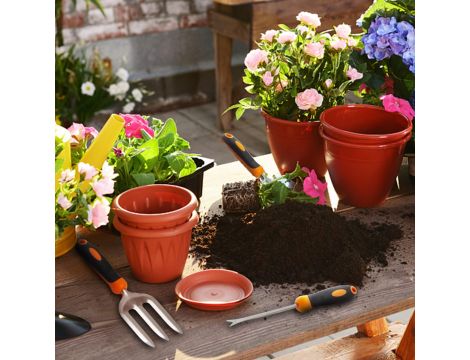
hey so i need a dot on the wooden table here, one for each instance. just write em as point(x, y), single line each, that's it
point(245, 20)
point(206, 335)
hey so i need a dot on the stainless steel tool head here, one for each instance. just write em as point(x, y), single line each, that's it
point(135, 301)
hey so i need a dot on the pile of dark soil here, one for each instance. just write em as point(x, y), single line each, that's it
point(292, 243)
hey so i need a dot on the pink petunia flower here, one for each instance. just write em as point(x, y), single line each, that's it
point(309, 99)
point(315, 49)
point(353, 74)
point(87, 169)
point(98, 212)
point(394, 104)
point(254, 58)
point(63, 201)
point(103, 187)
point(133, 124)
point(269, 35)
point(268, 78)
point(309, 19)
point(313, 187)
point(90, 131)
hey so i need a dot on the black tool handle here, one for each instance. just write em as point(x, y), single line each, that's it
point(330, 296)
point(243, 155)
point(98, 263)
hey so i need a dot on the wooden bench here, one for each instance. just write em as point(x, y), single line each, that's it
point(245, 20)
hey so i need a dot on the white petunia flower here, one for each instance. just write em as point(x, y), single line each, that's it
point(122, 74)
point(137, 95)
point(88, 88)
point(128, 107)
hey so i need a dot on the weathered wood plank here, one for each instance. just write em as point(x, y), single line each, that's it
point(229, 26)
point(354, 347)
point(406, 348)
point(266, 15)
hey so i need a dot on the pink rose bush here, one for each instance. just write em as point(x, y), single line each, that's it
point(297, 73)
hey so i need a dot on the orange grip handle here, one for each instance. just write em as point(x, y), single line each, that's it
point(243, 155)
point(102, 267)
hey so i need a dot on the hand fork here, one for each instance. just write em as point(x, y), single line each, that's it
point(129, 300)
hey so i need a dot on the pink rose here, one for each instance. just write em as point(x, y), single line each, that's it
point(63, 201)
point(308, 19)
point(394, 104)
point(269, 35)
point(328, 83)
point(343, 30)
point(87, 169)
point(133, 125)
point(268, 78)
point(352, 42)
point(315, 49)
point(286, 36)
point(314, 187)
point(309, 99)
point(103, 187)
point(282, 85)
point(98, 213)
point(338, 44)
point(353, 74)
point(302, 29)
point(254, 58)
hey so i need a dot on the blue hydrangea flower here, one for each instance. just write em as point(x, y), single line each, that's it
point(386, 37)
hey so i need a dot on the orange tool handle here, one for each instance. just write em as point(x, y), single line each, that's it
point(330, 296)
point(102, 267)
point(243, 155)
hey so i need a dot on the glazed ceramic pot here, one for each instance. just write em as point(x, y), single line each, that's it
point(157, 256)
point(363, 175)
point(156, 206)
point(66, 241)
point(364, 124)
point(291, 142)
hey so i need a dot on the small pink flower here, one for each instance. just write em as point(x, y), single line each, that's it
point(254, 58)
point(352, 42)
point(269, 35)
point(362, 87)
point(314, 187)
point(98, 213)
point(286, 37)
point(118, 152)
point(268, 78)
point(77, 131)
point(308, 19)
point(353, 74)
point(63, 201)
point(282, 85)
point(394, 104)
point(67, 175)
point(133, 125)
point(102, 187)
point(343, 31)
point(309, 99)
point(328, 83)
point(87, 169)
point(107, 171)
point(91, 131)
point(338, 44)
point(315, 49)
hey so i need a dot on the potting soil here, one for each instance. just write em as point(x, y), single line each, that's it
point(292, 243)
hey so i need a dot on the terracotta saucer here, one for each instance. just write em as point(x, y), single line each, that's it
point(214, 290)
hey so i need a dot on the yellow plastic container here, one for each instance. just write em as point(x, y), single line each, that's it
point(66, 241)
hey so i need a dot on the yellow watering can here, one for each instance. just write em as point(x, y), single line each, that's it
point(95, 155)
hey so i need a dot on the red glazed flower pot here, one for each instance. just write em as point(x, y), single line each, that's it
point(291, 142)
point(156, 206)
point(364, 124)
point(363, 175)
point(157, 256)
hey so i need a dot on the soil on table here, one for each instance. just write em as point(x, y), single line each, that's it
point(292, 243)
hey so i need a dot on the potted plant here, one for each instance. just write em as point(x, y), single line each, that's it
point(150, 151)
point(294, 75)
point(386, 57)
point(80, 195)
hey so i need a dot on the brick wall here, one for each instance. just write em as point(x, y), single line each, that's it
point(126, 18)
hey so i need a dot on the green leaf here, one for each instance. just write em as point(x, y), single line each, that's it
point(58, 164)
point(145, 134)
point(168, 128)
point(284, 27)
point(149, 155)
point(181, 163)
point(239, 113)
point(165, 142)
point(279, 192)
point(235, 106)
point(144, 179)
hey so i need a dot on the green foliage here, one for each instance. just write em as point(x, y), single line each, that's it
point(160, 159)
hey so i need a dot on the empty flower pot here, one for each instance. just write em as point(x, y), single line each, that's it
point(364, 124)
point(156, 206)
point(291, 142)
point(157, 256)
point(363, 175)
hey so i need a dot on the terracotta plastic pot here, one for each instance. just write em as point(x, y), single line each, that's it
point(157, 256)
point(156, 206)
point(363, 175)
point(291, 142)
point(364, 124)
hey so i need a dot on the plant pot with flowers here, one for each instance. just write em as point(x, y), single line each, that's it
point(386, 57)
point(294, 75)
